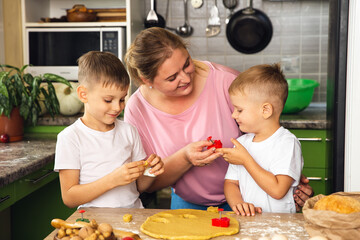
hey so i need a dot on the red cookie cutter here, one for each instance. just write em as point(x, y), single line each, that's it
point(215, 143)
point(220, 222)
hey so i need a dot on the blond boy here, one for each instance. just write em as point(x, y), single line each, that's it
point(266, 162)
point(100, 158)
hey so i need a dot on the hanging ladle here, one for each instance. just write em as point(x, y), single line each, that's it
point(185, 30)
point(230, 4)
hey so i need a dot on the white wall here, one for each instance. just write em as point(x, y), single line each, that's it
point(352, 120)
point(2, 45)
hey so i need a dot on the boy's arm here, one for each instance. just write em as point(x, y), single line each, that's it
point(275, 185)
point(75, 194)
point(232, 192)
point(235, 200)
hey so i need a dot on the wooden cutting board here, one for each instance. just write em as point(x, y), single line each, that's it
point(266, 224)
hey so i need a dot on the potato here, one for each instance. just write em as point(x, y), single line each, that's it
point(61, 233)
point(85, 232)
point(105, 229)
point(76, 238)
point(68, 231)
point(92, 237)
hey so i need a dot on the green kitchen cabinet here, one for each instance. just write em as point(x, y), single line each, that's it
point(37, 210)
point(34, 181)
point(315, 147)
point(319, 180)
point(7, 196)
point(28, 205)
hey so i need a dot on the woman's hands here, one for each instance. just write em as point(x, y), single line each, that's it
point(303, 192)
point(197, 157)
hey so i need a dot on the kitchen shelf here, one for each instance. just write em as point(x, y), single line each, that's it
point(75, 24)
point(34, 10)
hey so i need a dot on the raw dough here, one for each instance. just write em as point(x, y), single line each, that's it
point(127, 217)
point(340, 204)
point(186, 224)
point(279, 237)
point(318, 238)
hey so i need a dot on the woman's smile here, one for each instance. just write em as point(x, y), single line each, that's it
point(184, 86)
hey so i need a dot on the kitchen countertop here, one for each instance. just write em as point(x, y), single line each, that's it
point(18, 159)
point(266, 224)
point(313, 117)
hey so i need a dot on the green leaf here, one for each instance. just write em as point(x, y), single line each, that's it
point(24, 111)
point(23, 68)
point(34, 116)
point(56, 78)
point(35, 91)
point(28, 78)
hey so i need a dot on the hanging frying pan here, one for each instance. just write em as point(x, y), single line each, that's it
point(249, 30)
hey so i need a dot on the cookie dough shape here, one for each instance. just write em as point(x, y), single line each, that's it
point(186, 224)
point(340, 204)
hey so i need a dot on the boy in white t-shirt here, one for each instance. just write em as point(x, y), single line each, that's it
point(266, 162)
point(100, 159)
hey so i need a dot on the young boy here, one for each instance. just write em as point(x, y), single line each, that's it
point(266, 162)
point(100, 159)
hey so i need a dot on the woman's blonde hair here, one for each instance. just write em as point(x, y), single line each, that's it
point(149, 51)
point(266, 80)
point(102, 67)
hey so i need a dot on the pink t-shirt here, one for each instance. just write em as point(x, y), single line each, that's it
point(210, 115)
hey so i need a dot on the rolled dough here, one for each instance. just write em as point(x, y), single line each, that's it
point(187, 224)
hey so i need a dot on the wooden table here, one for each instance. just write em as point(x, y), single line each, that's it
point(266, 224)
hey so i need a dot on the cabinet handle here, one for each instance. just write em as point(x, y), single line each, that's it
point(316, 178)
point(34, 181)
point(3, 199)
point(310, 139)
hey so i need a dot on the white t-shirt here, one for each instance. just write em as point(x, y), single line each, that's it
point(280, 154)
point(96, 154)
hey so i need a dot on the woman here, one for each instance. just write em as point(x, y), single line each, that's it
point(180, 102)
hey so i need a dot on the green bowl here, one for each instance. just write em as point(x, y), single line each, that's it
point(300, 95)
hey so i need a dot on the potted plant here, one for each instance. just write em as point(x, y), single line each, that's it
point(20, 95)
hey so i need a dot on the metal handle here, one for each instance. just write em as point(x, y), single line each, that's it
point(186, 12)
point(34, 181)
point(310, 139)
point(3, 199)
point(316, 178)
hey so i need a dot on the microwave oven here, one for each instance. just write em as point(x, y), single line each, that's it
point(56, 50)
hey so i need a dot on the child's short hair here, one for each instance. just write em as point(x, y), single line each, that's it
point(265, 80)
point(102, 67)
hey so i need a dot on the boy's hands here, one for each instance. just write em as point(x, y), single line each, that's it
point(156, 164)
point(246, 209)
point(236, 155)
point(128, 173)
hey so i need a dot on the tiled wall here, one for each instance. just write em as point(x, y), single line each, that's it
point(300, 38)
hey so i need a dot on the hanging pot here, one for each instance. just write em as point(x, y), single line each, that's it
point(249, 30)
